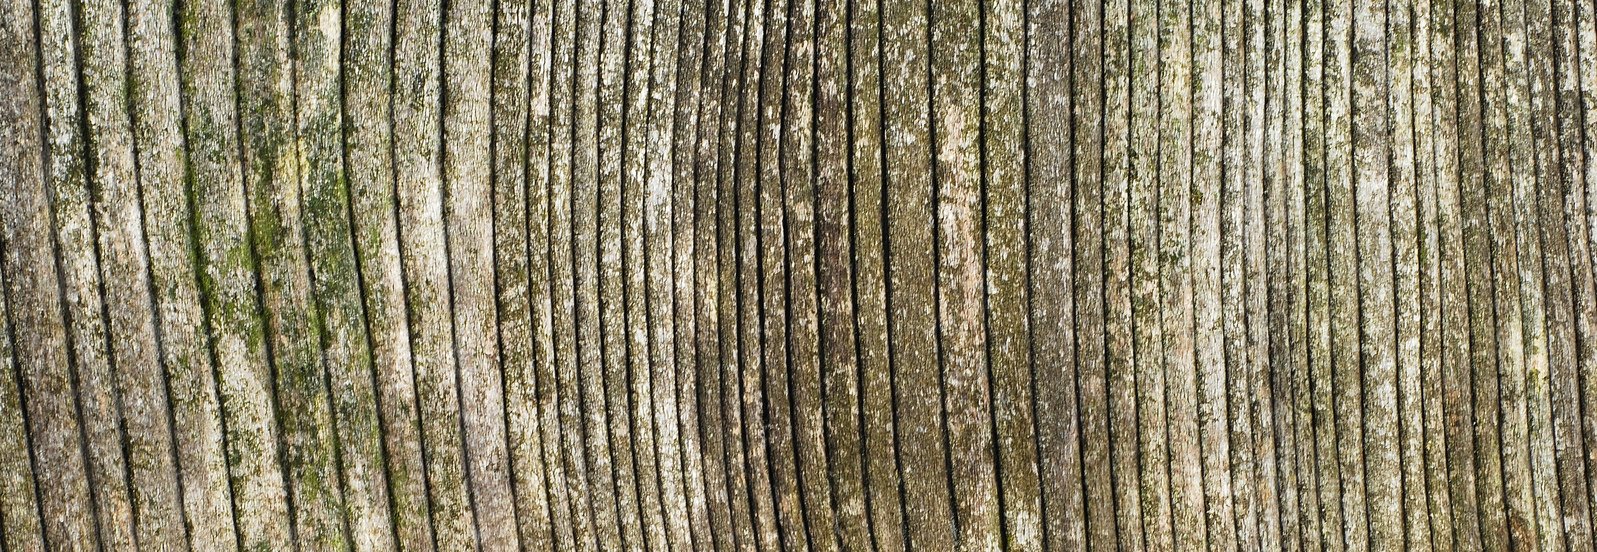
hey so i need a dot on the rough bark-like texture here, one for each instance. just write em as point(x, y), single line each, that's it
point(1301, 275)
point(124, 265)
point(419, 189)
point(228, 283)
point(36, 341)
point(267, 87)
point(195, 417)
point(369, 164)
point(468, 208)
point(77, 267)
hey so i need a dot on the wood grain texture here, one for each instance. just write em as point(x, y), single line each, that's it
point(1133, 275)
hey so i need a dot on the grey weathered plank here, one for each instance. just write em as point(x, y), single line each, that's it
point(124, 264)
point(1427, 168)
point(265, 81)
point(684, 208)
point(335, 276)
point(1049, 159)
point(585, 519)
point(1250, 274)
point(367, 84)
point(1455, 348)
point(24, 170)
point(67, 177)
point(1143, 229)
point(519, 38)
point(1119, 330)
point(641, 355)
point(468, 208)
point(419, 191)
point(228, 283)
point(660, 228)
point(1577, 321)
point(1088, 240)
point(619, 219)
point(161, 161)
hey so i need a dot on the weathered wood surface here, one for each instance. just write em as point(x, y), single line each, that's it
point(729, 275)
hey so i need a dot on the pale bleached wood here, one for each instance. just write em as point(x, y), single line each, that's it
point(798, 192)
point(770, 231)
point(584, 244)
point(685, 123)
point(419, 189)
point(750, 338)
point(1516, 272)
point(265, 82)
point(369, 161)
point(1501, 118)
point(72, 227)
point(1586, 40)
point(776, 136)
point(962, 334)
point(1294, 158)
point(562, 496)
point(1296, 275)
point(1282, 244)
point(1531, 52)
point(1316, 389)
point(1341, 197)
point(1238, 175)
point(468, 208)
point(742, 497)
point(19, 506)
point(1427, 166)
point(157, 516)
point(782, 133)
point(1299, 150)
point(1405, 213)
point(1216, 505)
point(660, 219)
point(1266, 488)
point(1050, 164)
point(1175, 261)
